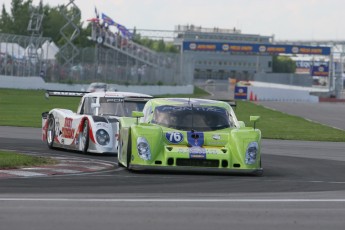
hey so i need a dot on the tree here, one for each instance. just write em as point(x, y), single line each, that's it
point(161, 47)
point(283, 64)
point(156, 45)
point(52, 22)
point(5, 21)
point(21, 12)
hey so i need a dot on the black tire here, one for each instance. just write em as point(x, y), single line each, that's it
point(50, 133)
point(129, 149)
point(119, 164)
point(259, 173)
point(84, 137)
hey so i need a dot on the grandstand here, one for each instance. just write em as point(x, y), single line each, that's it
point(221, 65)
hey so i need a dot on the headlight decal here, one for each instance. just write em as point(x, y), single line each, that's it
point(251, 153)
point(143, 148)
point(102, 137)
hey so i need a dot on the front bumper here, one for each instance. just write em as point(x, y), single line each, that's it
point(256, 172)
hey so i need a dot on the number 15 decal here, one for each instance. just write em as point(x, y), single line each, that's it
point(174, 137)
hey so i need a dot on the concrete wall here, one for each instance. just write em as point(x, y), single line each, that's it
point(38, 83)
point(285, 78)
point(262, 91)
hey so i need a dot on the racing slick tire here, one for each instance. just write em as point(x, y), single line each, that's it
point(84, 137)
point(119, 164)
point(119, 150)
point(50, 132)
point(129, 150)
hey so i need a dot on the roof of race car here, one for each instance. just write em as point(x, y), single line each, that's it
point(116, 94)
point(189, 101)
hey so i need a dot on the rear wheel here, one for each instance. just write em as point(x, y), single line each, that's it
point(50, 132)
point(84, 138)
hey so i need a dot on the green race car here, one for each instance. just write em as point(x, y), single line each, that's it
point(189, 134)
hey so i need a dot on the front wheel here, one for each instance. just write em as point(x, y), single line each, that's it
point(119, 153)
point(129, 149)
point(50, 132)
point(84, 138)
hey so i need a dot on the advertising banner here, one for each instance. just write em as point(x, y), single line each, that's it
point(255, 48)
point(321, 71)
point(241, 92)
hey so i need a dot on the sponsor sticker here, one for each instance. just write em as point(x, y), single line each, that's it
point(216, 137)
point(197, 153)
point(174, 137)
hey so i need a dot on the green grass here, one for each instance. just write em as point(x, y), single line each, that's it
point(277, 125)
point(12, 160)
point(24, 108)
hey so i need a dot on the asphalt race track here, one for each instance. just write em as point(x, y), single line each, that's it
point(303, 187)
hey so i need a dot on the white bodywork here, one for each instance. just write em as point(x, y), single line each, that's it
point(94, 127)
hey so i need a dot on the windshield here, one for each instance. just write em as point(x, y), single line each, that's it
point(119, 107)
point(192, 118)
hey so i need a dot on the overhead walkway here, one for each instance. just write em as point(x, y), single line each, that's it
point(128, 47)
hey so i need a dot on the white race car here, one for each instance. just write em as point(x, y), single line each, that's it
point(94, 127)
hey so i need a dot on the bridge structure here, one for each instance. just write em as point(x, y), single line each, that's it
point(161, 65)
point(336, 72)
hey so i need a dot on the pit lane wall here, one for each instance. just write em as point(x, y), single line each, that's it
point(38, 83)
point(262, 91)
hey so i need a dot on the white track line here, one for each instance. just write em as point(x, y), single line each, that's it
point(177, 200)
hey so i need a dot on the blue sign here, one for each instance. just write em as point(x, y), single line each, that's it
point(308, 64)
point(321, 70)
point(241, 92)
point(255, 48)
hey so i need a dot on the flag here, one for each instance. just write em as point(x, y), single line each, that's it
point(124, 31)
point(96, 12)
point(108, 20)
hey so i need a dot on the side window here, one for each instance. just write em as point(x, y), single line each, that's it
point(81, 105)
point(147, 112)
point(87, 105)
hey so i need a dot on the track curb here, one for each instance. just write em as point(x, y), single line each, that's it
point(65, 166)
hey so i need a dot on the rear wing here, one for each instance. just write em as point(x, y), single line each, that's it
point(138, 98)
point(61, 93)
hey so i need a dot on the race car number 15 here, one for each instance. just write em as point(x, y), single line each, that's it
point(174, 137)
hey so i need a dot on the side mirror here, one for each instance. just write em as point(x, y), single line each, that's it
point(137, 114)
point(254, 119)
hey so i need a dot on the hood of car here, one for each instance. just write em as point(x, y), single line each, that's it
point(195, 138)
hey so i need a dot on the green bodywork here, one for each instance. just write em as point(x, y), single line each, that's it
point(222, 150)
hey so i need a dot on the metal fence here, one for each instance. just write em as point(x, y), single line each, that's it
point(27, 56)
point(21, 55)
